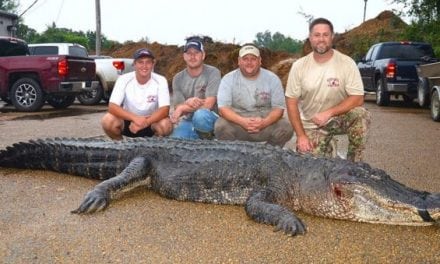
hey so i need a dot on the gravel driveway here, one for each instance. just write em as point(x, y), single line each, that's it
point(36, 225)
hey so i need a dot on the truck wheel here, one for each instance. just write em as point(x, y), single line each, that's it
point(435, 106)
point(26, 95)
point(91, 97)
point(61, 101)
point(423, 92)
point(106, 96)
point(382, 97)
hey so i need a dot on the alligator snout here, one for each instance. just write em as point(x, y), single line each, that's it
point(432, 211)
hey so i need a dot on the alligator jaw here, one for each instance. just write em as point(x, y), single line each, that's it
point(424, 210)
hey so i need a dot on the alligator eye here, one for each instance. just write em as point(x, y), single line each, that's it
point(337, 190)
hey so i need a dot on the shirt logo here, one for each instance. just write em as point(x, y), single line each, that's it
point(200, 91)
point(264, 96)
point(151, 99)
point(332, 82)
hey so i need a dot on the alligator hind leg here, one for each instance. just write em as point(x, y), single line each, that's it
point(137, 173)
point(261, 209)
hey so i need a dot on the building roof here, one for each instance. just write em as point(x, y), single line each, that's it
point(8, 15)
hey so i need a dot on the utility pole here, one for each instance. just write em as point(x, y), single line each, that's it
point(365, 9)
point(98, 28)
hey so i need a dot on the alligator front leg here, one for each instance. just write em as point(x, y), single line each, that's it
point(137, 173)
point(261, 209)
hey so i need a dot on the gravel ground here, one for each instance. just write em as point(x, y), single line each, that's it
point(142, 227)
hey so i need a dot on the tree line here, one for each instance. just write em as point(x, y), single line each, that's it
point(424, 26)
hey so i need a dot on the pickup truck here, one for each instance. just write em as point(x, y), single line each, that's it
point(389, 68)
point(108, 69)
point(429, 88)
point(29, 81)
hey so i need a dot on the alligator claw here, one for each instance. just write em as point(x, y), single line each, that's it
point(95, 200)
point(291, 226)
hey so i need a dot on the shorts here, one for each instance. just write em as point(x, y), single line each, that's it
point(146, 132)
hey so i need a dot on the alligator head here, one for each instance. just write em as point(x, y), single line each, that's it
point(358, 192)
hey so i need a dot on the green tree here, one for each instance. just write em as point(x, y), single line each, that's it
point(9, 6)
point(277, 42)
point(27, 33)
point(105, 42)
point(425, 15)
point(425, 10)
point(54, 34)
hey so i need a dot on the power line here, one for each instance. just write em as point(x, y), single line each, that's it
point(59, 11)
point(28, 8)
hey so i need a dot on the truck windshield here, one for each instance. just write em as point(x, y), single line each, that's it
point(12, 48)
point(78, 51)
point(406, 51)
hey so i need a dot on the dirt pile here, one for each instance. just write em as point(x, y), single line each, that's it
point(386, 26)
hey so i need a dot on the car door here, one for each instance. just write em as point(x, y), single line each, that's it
point(367, 68)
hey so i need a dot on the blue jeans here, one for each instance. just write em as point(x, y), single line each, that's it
point(202, 120)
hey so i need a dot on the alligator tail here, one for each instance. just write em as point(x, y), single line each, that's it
point(52, 155)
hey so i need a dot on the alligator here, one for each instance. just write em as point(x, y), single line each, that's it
point(272, 183)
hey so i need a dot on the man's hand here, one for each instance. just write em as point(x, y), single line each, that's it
point(303, 144)
point(195, 102)
point(253, 124)
point(139, 123)
point(321, 119)
point(176, 115)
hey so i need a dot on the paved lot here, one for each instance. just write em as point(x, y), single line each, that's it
point(36, 226)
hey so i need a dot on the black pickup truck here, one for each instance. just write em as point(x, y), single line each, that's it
point(389, 68)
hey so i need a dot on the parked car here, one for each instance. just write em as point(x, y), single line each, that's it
point(429, 88)
point(389, 68)
point(108, 69)
point(72, 49)
point(29, 81)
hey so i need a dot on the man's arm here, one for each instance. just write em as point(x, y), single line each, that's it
point(191, 105)
point(303, 143)
point(120, 112)
point(194, 103)
point(158, 115)
point(343, 107)
point(274, 115)
point(230, 115)
point(209, 102)
point(251, 124)
point(294, 116)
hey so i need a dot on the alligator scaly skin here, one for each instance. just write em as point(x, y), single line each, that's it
point(271, 182)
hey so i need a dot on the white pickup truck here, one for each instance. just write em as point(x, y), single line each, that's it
point(108, 69)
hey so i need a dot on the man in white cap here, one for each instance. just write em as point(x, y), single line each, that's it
point(251, 103)
point(140, 102)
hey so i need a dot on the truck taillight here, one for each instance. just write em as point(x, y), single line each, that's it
point(391, 69)
point(119, 65)
point(63, 67)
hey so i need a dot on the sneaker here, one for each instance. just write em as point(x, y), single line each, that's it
point(205, 135)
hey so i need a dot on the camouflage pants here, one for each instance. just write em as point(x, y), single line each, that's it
point(354, 123)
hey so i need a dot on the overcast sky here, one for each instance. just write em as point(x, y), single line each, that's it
point(171, 21)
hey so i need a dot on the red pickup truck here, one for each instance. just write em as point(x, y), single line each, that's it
point(29, 81)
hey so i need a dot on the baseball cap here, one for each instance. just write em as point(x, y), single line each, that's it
point(143, 53)
point(196, 44)
point(249, 49)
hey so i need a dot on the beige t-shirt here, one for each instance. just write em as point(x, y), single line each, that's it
point(320, 86)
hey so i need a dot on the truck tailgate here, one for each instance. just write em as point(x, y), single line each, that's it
point(80, 69)
point(406, 70)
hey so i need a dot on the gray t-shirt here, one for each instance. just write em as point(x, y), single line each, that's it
point(244, 95)
point(202, 86)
